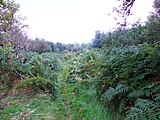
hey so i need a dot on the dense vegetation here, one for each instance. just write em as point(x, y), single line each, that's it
point(116, 77)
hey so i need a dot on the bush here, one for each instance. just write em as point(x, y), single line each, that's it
point(130, 80)
point(35, 65)
point(37, 84)
point(6, 72)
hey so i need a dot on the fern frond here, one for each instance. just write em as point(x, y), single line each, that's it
point(118, 90)
point(122, 105)
point(38, 83)
point(156, 88)
point(149, 111)
point(143, 104)
point(121, 89)
point(157, 97)
point(139, 93)
point(109, 94)
point(133, 113)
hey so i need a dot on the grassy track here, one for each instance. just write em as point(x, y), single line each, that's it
point(75, 101)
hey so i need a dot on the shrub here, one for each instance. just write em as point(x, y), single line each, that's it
point(35, 65)
point(131, 79)
point(37, 84)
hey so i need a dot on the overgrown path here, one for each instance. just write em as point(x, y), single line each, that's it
point(75, 100)
point(78, 98)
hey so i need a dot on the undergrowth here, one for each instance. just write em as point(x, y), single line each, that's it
point(75, 100)
point(89, 84)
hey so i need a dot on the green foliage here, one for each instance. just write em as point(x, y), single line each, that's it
point(44, 66)
point(98, 40)
point(10, 111)
point(151, 34)
point(5, 54)
point(89, 63)
point(126, 79)
point(129, 75)
point(112, 92)
point(84, 105)
point(125, 37)
point(37, 83)
point(145, 109)
point(123, 70)
point(5, 69)
point(35, 68)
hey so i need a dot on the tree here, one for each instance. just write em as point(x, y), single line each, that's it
point(60, 46)
point(98, 40)
point(127, 5)
point(8, 20)
point(53, 46)
point(124, 10)
point(151, 34)
point(11, 29)
point(39, 45)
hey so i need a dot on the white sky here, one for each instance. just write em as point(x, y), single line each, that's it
point(70, 21)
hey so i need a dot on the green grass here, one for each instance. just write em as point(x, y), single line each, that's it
point(75, 102)
point(83, 104)
point(10, 111)
point(39, 107)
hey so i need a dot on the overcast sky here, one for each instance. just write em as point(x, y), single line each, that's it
point(70, 21)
